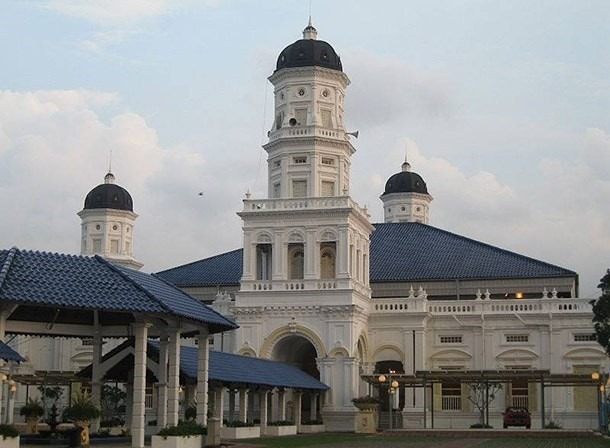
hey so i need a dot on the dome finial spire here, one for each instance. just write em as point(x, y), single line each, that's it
point(109, 178)
point(406, 166)
point(310, 32)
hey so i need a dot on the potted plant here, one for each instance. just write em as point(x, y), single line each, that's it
point(186, 434)
point(238, 429)
point(280, 428)
point(312, 426)
point(32, 410)
point(366, 403)
point(81, 411)
point(9, 436)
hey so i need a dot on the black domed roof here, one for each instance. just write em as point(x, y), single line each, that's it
point(405, 182)
point(109, 195)
point(308, 52)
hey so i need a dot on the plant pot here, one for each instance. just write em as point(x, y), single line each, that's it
point(367, 406)
point(286, 430)
point(245, 432)
point(311, 429)
point(176, 442)
point(32, 425)
point(9, 442)
point(84, 434)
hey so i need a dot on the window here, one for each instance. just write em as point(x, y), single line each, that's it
point(328, 188)
point(585, 397)
point(97, 245)
point(515, 338)
point(450, 339)
point(279, 119)
point(299, 188)
point(520, 392)
point(127, 247)
point(296, 258)
point(451, 394)
point(328, 161)
point(276, 190)
point(263, 262)
point(326, 120)
point(327, 260)
point(584, 337)
point(114, 246)
point(300, 160)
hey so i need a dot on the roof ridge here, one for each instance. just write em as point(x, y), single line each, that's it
point(115, 269)
point(199, 261)
point(7, 264)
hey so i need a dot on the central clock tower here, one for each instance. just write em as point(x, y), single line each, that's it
point(304, 294)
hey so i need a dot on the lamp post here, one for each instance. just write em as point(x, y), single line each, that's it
point(392, 386)
point(602, 385)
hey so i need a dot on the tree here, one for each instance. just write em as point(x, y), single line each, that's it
point(482, 394)
point(601, 313)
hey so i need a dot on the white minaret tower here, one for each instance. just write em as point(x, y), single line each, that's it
point(306, 247)
point(406, 197)
point(107, 222)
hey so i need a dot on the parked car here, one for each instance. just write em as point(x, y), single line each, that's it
point(517, 416)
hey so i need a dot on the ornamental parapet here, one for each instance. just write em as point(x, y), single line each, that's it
point(313, 203)
point(477, 307)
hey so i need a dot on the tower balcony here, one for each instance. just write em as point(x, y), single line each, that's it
point(294, 204)
point(307, 131)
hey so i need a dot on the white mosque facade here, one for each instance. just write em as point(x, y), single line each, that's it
point(316, 284)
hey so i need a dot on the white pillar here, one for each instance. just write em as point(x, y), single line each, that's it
point(96, 374)
point(296, 399)
point(231, 405)
point(243, 404)
point(313, 411)
point(281, 405)
point(264, 400)
point(202, 376)
point(139, 385)
point(162, 384)
point(173, 377)
point(219, 403)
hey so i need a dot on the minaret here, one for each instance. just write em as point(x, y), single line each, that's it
point(406, 197)
point(107, 222)
point(306, 247)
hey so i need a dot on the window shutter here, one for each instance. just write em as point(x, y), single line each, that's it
point(532, 397)
point(437, 396)
point(508, 394)
point(466, 403)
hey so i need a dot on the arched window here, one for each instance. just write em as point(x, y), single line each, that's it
point(296, 261)
point(263, 262)
point(327, 260)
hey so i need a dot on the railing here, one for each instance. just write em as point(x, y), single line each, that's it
point(148, 401)
point(521, 401)
point(295, 285)
point(469, 307)
point(335, 202)
point(297, 131)
point(451, 403)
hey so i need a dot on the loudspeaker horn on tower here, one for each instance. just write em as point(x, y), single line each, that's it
point(355, 133)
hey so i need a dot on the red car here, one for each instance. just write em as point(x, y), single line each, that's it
point(516, 416)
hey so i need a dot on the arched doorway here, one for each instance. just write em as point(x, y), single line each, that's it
point(300, 352)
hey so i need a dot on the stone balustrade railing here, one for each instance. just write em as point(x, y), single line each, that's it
point(266, 205)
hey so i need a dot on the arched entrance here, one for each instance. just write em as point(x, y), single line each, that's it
point(300, 352)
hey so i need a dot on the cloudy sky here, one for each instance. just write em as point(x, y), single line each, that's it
point(504, 108)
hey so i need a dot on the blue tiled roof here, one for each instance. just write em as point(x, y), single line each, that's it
point(70, 281)
point(414, 251)
point(220, 270)
point(8, 354)
point(400, 252)
point(229, 368)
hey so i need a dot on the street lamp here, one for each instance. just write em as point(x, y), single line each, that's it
point(392, 387)
point(603, 384)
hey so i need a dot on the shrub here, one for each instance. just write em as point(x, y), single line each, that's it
point(183, 429)
point(8, 431)
point(32, 408)
point(312, 422)
point(238, 424)
point(480, 426)
point(281, 423)
point(82, 408)
point(365, 399)
point(190, 413)
point(553, 425)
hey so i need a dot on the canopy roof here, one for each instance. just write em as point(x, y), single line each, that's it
point(8, 354)
point(64, 295)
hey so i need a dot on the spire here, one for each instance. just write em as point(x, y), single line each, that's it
point(310, 32)
point(109, 178)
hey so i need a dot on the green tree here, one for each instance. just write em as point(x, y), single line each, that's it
point(482, 394)
point(601, 313)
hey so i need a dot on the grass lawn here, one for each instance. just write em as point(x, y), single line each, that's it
point(381, 441)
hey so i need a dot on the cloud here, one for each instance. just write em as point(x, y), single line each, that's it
point(386, 90)
point(110, 12)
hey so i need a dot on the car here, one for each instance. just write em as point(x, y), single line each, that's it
point(517, 416)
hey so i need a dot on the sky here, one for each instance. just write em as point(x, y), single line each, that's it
point(502, 107)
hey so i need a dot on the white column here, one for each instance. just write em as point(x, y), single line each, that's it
point(263, 396)
point(297, 398)
point(342, 254)
point(162, 384)
point(281, 405)
point(173, 377)
point(202, 376)
point(312, 254)
point(96, 374)
point(231, 405)
point(219, 403)
point(313, 410)
point(139, 385)
point(243, 404)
